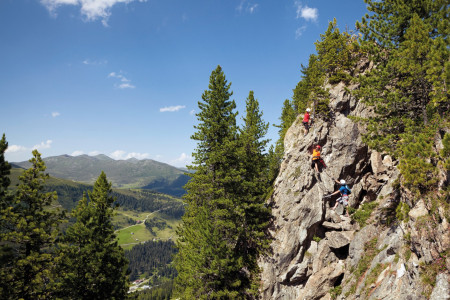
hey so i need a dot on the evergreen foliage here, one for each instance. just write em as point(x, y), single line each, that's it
point(6, 253)
point(336, 53)
point(93, 265)
point(5, 168)
point(161, 292)
point(253, 215)
point(445, 152)
point(222, 230)
point(206, 264)
point(408, 41)
point(151, 258)
point(29, 229)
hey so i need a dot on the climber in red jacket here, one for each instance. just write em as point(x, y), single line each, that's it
point(306, 121)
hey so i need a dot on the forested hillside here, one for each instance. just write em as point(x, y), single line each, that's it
point(70, 192)
point(131, 173)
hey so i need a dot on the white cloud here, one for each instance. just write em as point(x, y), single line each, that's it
point(125, 86)
point(15, 148)
point(18, 148)
point(192, 112)
point(137, 155)
point(95, 62)
point(77, 153)
point(246, 6)
point(252, 8)
point(55, 114)
point(43, 145)
point(126, 83)
point(121, 155)
point(305, 12)
point(182, 160)
point(299, 31)
point(172, 108)
point(94, 153)
point(118, 154)
point(91, 9)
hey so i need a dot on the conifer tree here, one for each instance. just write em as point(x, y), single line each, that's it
point(6, 253)
point(288, 115)
point(336, 53)
point(408, 42)
point(30, 228)
point(253, 215)
point(206, 263)
point(5, 168)
point(93, 264)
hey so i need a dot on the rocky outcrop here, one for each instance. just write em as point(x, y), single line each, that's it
point(315, 249)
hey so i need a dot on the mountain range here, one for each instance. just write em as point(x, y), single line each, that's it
point(130, 173)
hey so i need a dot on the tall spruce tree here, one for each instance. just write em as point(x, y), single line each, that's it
point(6, 253)
point(5, 168)
point(207, 264)
point(253, 215)
point(30, 227)
point(408, 42)
point(336, 53)
point(93, 264)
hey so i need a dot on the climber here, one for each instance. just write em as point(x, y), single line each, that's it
point(316, 158)
point(344, 190)
point(306, 121)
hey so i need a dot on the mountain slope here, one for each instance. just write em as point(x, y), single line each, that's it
point(70, 192)
point(385, 250)
point(131, 173)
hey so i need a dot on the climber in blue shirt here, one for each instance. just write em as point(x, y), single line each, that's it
point(344, 190)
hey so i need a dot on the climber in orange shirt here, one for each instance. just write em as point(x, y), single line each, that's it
point(316, 157)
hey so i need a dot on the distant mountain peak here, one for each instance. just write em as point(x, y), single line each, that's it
point(103, 157)
point(129, 173)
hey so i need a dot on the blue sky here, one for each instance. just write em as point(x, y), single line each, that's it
point(123, 77)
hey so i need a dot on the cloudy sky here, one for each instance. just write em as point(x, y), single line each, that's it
point(123, 77)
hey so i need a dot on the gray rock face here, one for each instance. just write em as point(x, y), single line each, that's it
point(315, 248)
point(338, 239)
point(300, 210)
point(441, 291)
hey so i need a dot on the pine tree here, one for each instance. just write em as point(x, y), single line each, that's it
point(336, 53)
point(5, 168)
point(30, 228)
point(408, 42)
point(254, 216)
point(207, 265)
point(315, 77)
point(288, 115)
point(93, 265)
point(6, 253)
point(386, 25)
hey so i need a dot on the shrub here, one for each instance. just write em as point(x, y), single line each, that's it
point(364, 212)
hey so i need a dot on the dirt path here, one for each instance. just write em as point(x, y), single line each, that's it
point(143, 221)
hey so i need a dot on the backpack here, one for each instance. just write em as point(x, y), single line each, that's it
point(348, 190)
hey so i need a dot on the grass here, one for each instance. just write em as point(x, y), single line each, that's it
point(140, 232)
point(134, 234)
point(335, 292)
point(370, 251)
point(374, 273)
point(428, 273)
point(364, 212)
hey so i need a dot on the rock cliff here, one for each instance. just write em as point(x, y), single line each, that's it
point(318, 253)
